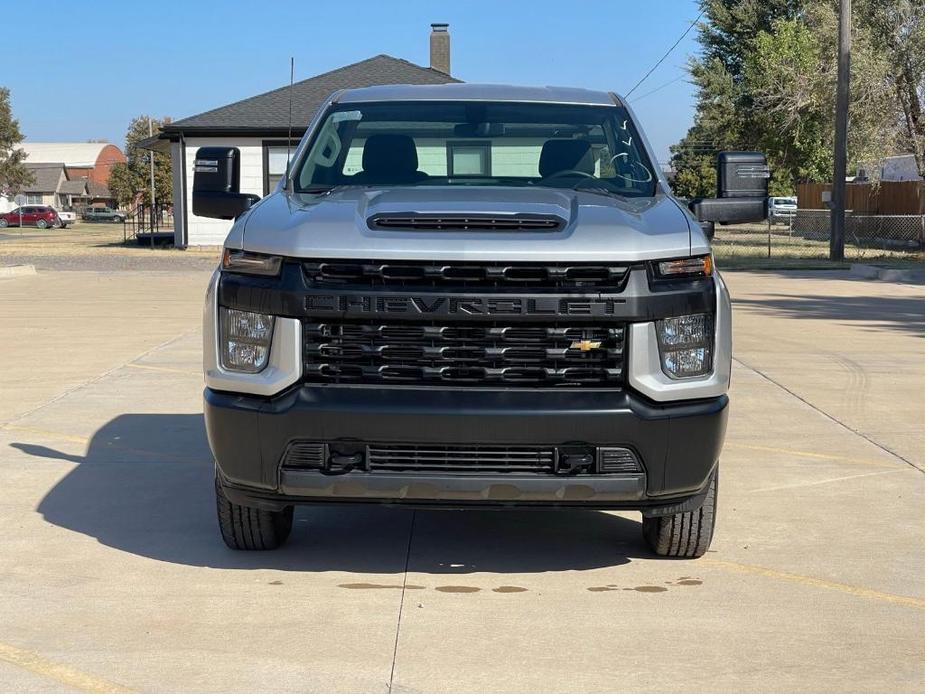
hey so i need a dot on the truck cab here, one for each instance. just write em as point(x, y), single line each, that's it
point(469, 296)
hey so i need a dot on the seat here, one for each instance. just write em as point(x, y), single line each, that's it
point(566, 155)
point(389, 158)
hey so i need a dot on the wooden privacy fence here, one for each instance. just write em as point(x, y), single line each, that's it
point(886, 198)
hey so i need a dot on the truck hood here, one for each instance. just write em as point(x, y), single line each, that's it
point(597, 227)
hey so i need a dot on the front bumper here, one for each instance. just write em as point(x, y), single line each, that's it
point(678, 445)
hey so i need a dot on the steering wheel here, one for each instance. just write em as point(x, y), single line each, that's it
point(570, 172)
point(637, 172)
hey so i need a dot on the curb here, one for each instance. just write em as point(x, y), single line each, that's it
point(872, 272)
point(17, 270)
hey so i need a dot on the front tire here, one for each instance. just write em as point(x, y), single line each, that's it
point(249, 528)
point(684, 535)
point(41, 224)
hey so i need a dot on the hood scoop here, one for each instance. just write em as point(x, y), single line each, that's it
point(465, 222)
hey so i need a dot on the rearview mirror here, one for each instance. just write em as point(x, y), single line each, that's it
point(217, 183)
point(741, 190)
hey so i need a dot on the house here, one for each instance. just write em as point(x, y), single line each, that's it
point(259, 127)
point(67, 174)
point(900, 168)
point(90, 160)
point(46, 181)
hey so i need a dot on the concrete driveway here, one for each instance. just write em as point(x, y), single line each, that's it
point(113, 576)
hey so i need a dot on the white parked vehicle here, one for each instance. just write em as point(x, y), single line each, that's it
point(66, 218)
point(782, 210)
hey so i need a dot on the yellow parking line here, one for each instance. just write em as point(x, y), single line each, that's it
point(56, 671)
point(809, 454)
point(798, 485)
point(44, 432)
point(816, 582)
point(112, 446)
point(165, 369)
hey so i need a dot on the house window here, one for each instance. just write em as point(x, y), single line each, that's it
point(33, 198)
point(468, 158)
point(274, 163)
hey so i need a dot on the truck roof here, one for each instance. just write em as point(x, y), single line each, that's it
point(476, 92)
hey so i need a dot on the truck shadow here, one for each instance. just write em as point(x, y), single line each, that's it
point(144, 486)
point(905, 314)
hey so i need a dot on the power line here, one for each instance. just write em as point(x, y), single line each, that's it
point(662, 59)
point(658, 89)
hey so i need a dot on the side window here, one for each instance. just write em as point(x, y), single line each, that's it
point(274, 164)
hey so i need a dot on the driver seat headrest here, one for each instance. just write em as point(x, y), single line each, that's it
point(566, 155)
point(390, 154)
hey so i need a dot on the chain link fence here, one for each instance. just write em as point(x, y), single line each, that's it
point(805, 235)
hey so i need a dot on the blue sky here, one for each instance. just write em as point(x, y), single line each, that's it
point(87, 68)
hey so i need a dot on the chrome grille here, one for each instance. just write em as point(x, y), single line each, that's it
point(397, 457)
point(405, 273)
point(464, 355)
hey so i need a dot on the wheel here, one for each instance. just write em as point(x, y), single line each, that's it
point(245, 527)
point(4, 224)
point(686, 535)
point(117, 220)
point(63, 225)
point(41, 224)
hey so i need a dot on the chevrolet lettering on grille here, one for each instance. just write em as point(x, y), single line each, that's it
point(364, 305)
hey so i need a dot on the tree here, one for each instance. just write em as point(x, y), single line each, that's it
point(132, 180)
point(725, 115)
point(896, 28)
point(766, 81)
point(14, 176)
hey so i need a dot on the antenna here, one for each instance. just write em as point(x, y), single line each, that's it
point(289, 138)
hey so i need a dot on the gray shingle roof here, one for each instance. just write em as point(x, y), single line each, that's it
point(98, 190)
point(46, 178)
point(78, 186)
point(270, 111)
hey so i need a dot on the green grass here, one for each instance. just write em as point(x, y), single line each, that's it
point(746, 247)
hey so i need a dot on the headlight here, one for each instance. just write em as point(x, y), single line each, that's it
point(251, 263)
point(698, 266)
point(246, 339)
point(685, 345)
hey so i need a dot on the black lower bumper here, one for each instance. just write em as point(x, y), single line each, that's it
point(678, 445)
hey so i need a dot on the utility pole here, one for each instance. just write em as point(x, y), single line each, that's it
point(839, 188)
point(151, 159)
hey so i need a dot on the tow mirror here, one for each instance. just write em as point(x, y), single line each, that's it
point(741, 190)
point(217, 184)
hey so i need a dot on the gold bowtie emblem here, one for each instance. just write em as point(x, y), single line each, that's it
point(586, 345)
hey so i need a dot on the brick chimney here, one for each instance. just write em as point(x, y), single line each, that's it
point(440, 47)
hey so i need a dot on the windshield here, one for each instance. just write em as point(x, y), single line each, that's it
point(595, 148)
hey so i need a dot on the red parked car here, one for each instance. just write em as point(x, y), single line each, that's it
point(41, 216)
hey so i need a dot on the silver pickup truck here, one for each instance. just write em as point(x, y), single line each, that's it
point(470, 296)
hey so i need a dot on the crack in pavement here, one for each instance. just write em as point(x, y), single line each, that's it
point(96, 379)
point(828, 416)
point(401, 603)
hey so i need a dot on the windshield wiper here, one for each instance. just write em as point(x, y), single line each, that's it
point(318, 190)
point(600, 190)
